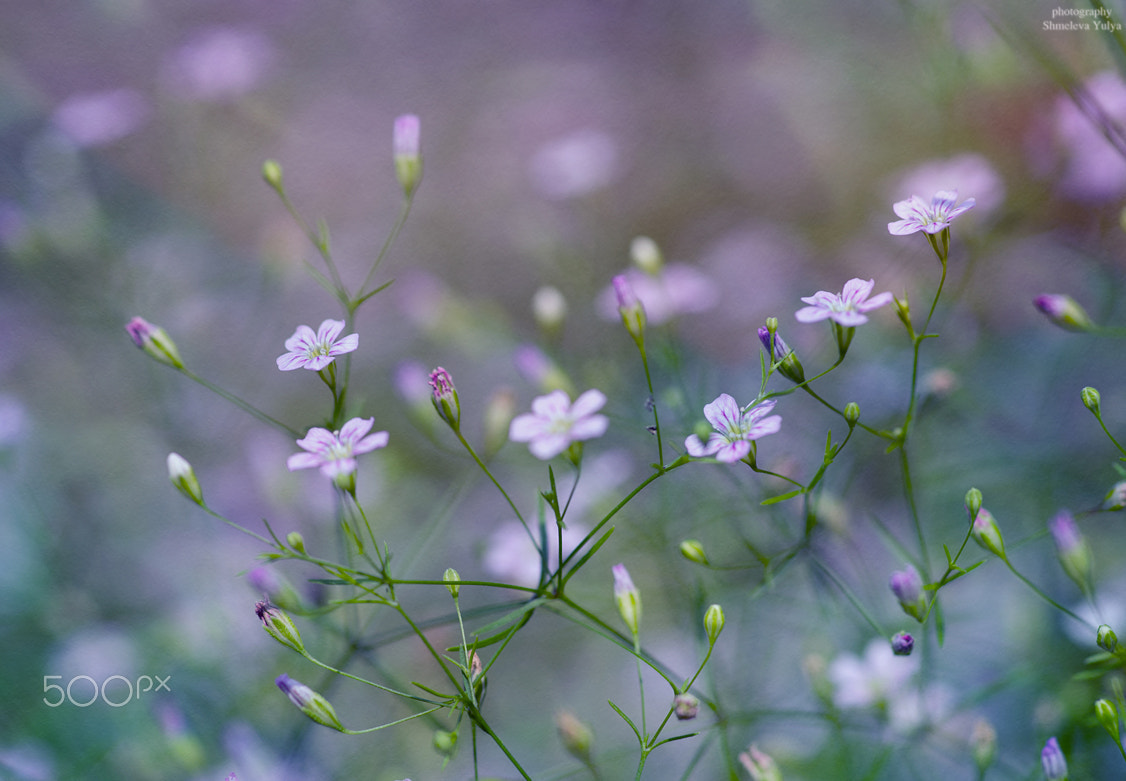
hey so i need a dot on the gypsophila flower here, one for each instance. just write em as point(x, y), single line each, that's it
point(334, 452)
point(554, 422)
point(847, 307)
point(917, 215)
point(315, 351)
point(734, 429)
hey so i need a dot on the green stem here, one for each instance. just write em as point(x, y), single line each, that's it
point(245, 406)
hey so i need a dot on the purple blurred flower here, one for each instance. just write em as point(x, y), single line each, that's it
point(334, 451)
point(966, 172)
point(1064, 311)
point(734, 429)
point(847, 307)
point(918, 216)
point(554, 422)
point(676, 289)
point(1094, 169)
point(315, 351)
point(219, 63)
point(577, 164)
point(98, 118)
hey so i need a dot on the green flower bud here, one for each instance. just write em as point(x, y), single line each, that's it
point(309, 702)
point(408, 159)
point(182, 475)
point(851, 413)
point(713, 623)
point(903, 312)
point(983, 744)
point(279, 626)
point(445, 398)
point(693, 550)
point(973, 502)
point(445, 742)
point(1107, 714)
point(1116, 499)
point(628, 598)
point(576, 736)
point(272, 173)
point(155, 342)
point(296, 541)
point(630, 308)
point(1107, 640)
point(646, 255)
point(1091, 399)
point(1064, 312)
point(1074, 553)
point(452, 580)
point(987, 534)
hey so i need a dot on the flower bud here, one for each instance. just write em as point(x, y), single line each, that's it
point(693, 550)
point(500, 409)
point(714, 622)
point(279, 626)
point(902, 644)
point(1053, 761)
point(155, 342)
point(445, 397)
point(408, 160)
point(1064, 312)
point(983, 744)
point(987, 534)
point(629, 305)
point(973, 502)
point(452, 580)
point(851, 413)
point(575, 735)
point(686, 706)
point(788, 364)
point(274, 588)
point(445, 742)
point(908, 589)
point(1116, 499)
point(1106, 639)
point(296, 541)
point(549, 307)
point(1073, 551)
point(628, 598)
point(309, 702)
point(272, 173)
point(760, 765)
point(1091, 399)
point(1107, 714)
point(646, 255)
point(182, 475)
point(903, 312)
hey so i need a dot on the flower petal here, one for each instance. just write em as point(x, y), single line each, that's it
point(811, 314)
point(291, 361)
point(589, 402)
point(329, 330)
point(303, 461)
point(524, 428)
point(733, 451)
point(374, 442)
point(354, 430)
point(548, 446)
point(723, 414)
point(589, 427)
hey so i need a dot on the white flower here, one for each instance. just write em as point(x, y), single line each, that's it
point(554, 422)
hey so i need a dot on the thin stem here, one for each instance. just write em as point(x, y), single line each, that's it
point(242, 404)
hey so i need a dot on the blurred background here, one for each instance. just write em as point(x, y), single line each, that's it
point(761, 144)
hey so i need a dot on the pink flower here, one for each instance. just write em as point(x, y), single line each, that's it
point(314, 351)
point(734, 429)
point(918, 216)
point(846, 307)
point(554, 422)
point(334, 451)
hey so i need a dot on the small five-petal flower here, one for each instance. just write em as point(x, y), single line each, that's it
point(554, 422)
point(315, 351)
point(334, 452)
point(917, 215)
point(734, 429)
point(847, 307)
